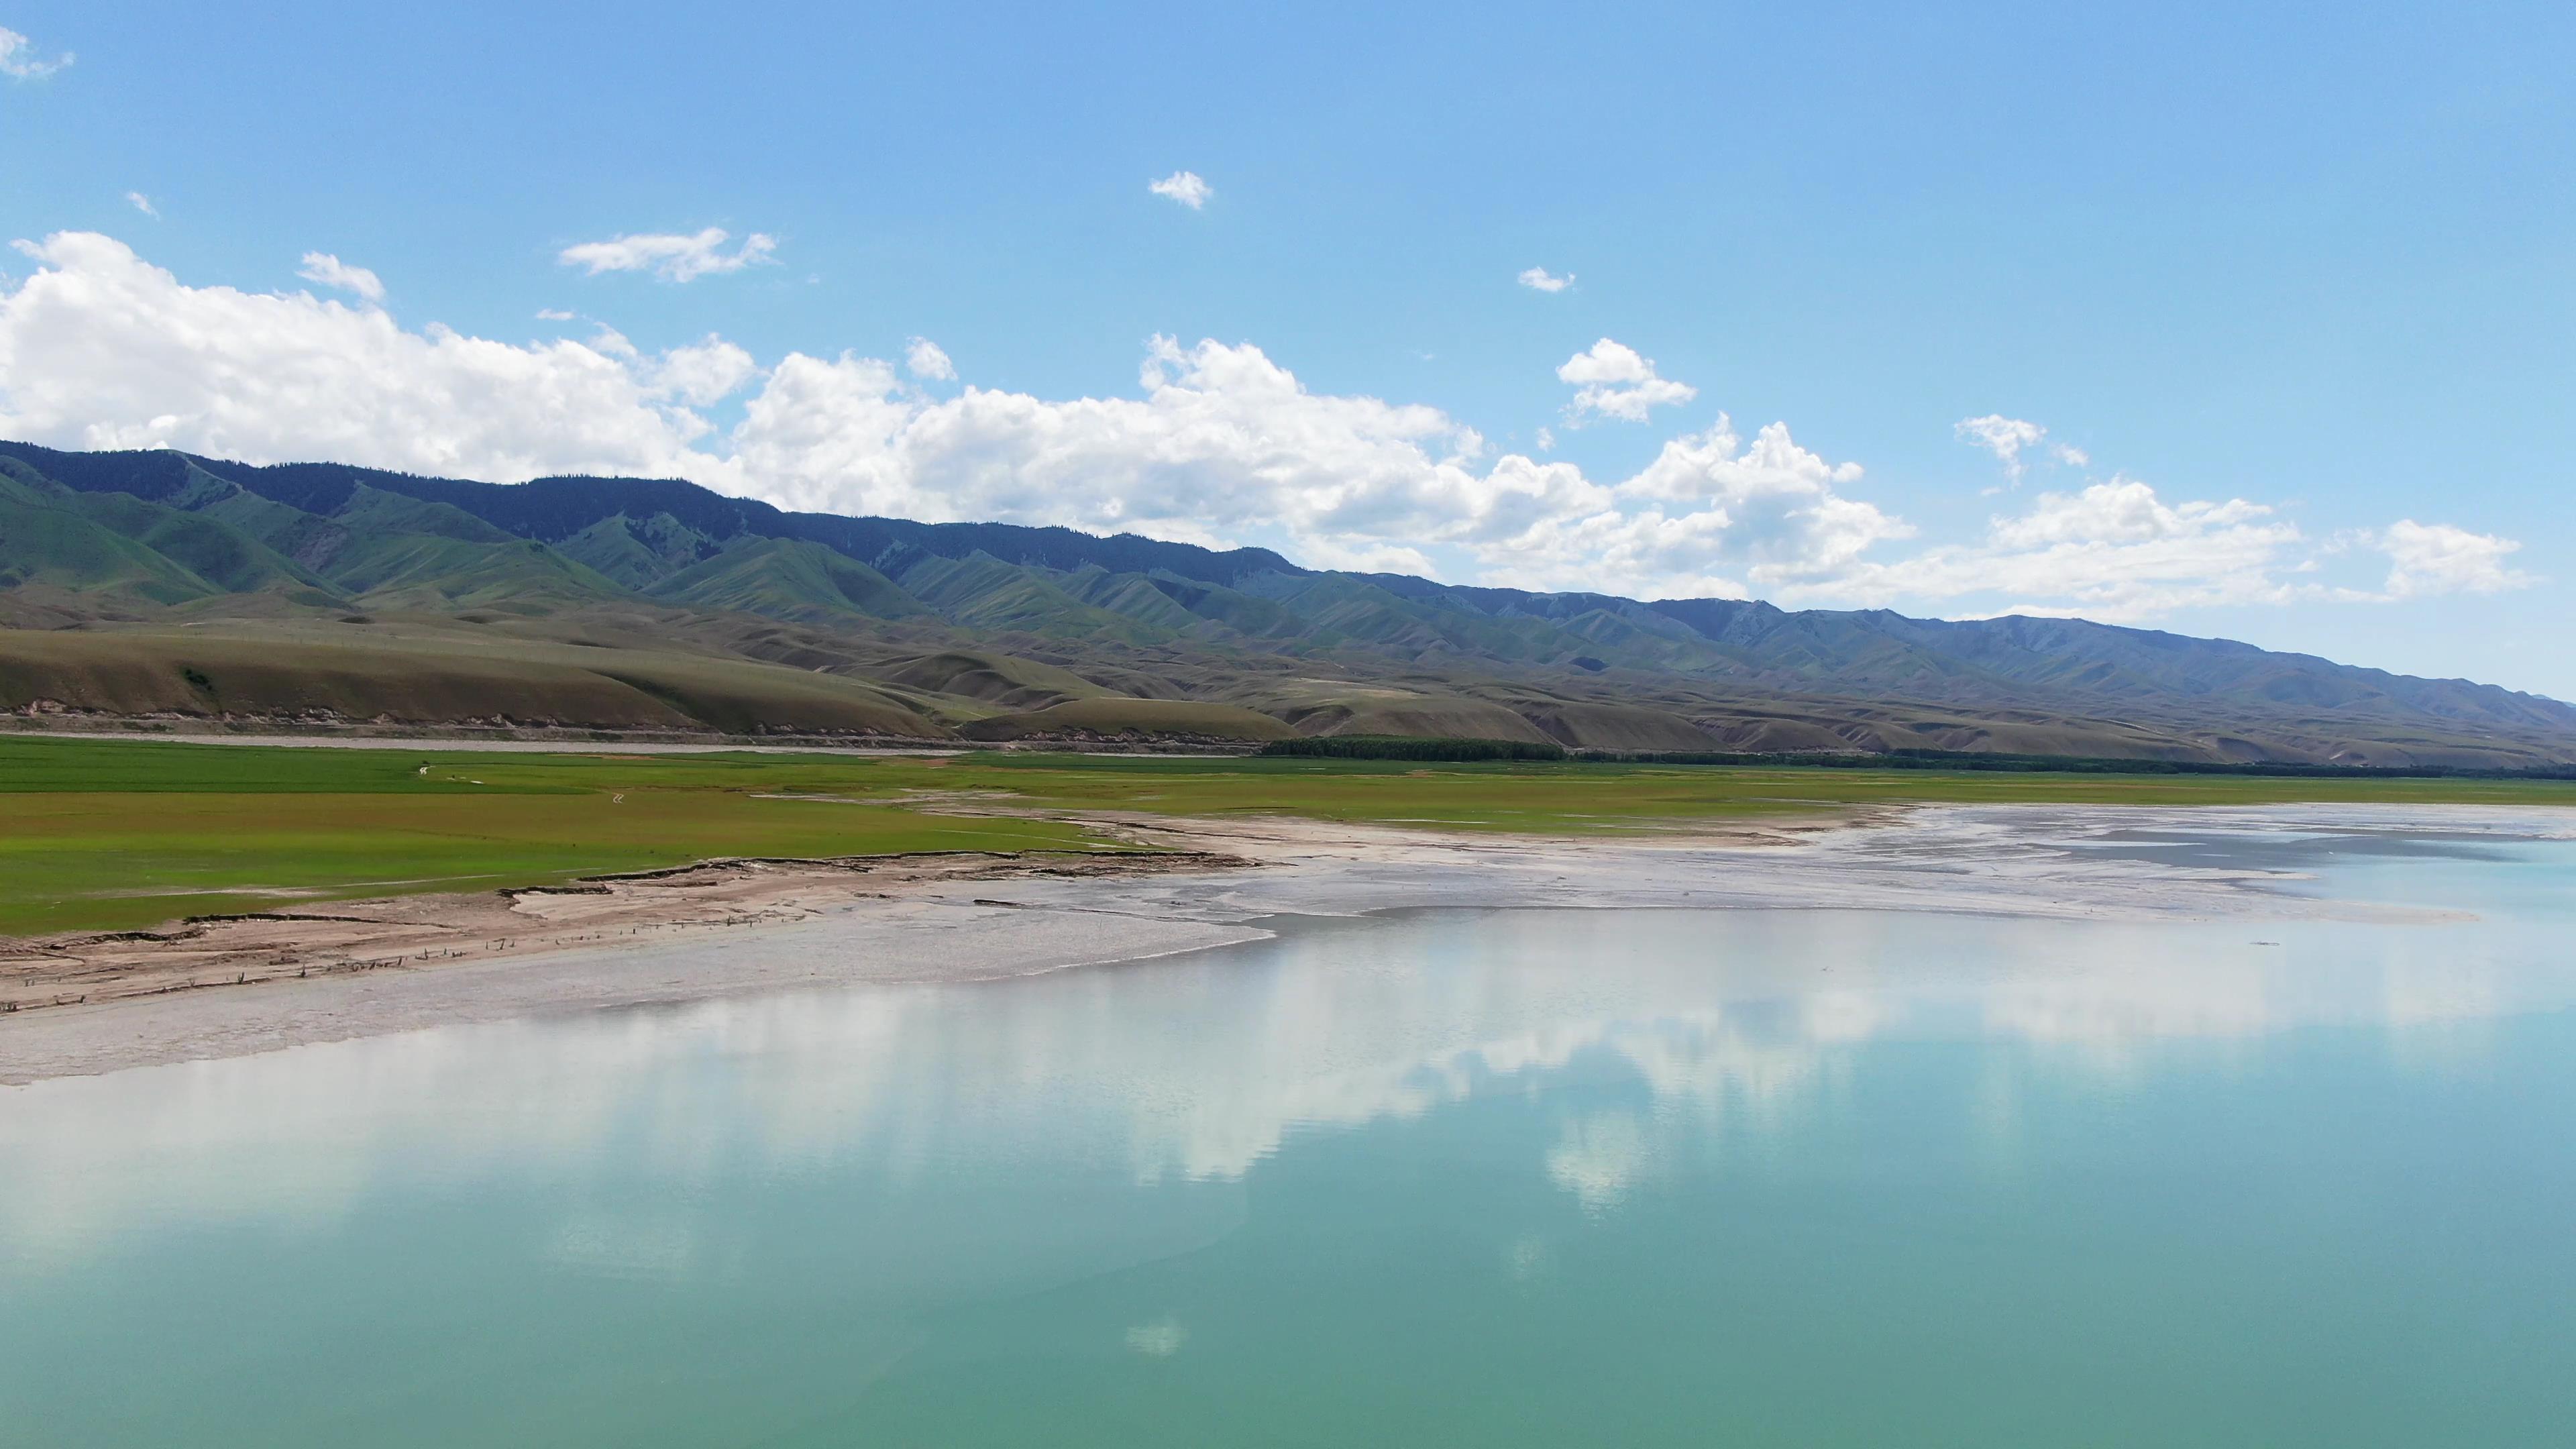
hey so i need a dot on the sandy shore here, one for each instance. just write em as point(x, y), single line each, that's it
point(101, 1002)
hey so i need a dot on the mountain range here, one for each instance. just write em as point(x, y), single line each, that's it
point(162, 584)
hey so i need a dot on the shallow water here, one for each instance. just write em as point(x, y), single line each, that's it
point(1759, 1177)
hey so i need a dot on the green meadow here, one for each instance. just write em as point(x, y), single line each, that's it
point(106, 835)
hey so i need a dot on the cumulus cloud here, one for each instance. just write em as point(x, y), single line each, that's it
point(928, 361)
point(1218, 444)
point(327, 270)
point(670, 256)
point(1186, 187)
point(1710, 515)
point(143, 203)
point(1614, 382)
point(2120, 552)
point(1223, 441)
point(2437, 558)
point(18, 59)
point(99, 349)
point(1537, 279)
point(700, 374)
point(2115, 551)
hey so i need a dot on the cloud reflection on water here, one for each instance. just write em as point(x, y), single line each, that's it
point(1192, 1070)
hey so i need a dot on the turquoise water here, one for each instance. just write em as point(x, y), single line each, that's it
point(1530, 1178)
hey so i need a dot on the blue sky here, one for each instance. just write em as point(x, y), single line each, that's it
point(2313, 267)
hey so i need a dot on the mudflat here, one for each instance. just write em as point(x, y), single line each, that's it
point(356, 968)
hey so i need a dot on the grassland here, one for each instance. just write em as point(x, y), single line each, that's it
point(99, 835)
point(380, 671)
point(115, 835)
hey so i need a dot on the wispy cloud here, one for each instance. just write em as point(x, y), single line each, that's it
point(327, 270)
point(2009, 438)
point(1617, 383)
point(18, 58)
point(1539, 279)
point(143, 203)
point(1186, 187)
point(671, 256)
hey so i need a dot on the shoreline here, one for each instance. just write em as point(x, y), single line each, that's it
point(724, 927)
point(345, 937)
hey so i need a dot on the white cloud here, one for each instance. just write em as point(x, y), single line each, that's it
point(1223, 441)
point(1186, 187)
point(99, 349)
point(1219, 444)
point(2437, 558)
point(2115, 551)
point(329, 271)
point(1537, 279)
point(2009, 438)
point(143, 203)
point(1546, 440)
point(2121, 553)
point(1709, 515)
point(18, 58)
point(700, 374)
point(2002, 436)
point(926, 360)
point(1614, 382)
point(554, 314)
point(672, 257)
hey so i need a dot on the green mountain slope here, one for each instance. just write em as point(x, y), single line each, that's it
point(787, 579)
point(949, 623)
point(638, 554)
point(981, 592)
point(45, 543)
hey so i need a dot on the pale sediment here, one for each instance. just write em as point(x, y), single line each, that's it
point(99, 1003)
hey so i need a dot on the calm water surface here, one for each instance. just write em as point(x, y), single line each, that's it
point(1792, 1178)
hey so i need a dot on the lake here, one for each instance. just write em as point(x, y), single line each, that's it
point(1495, 1178)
